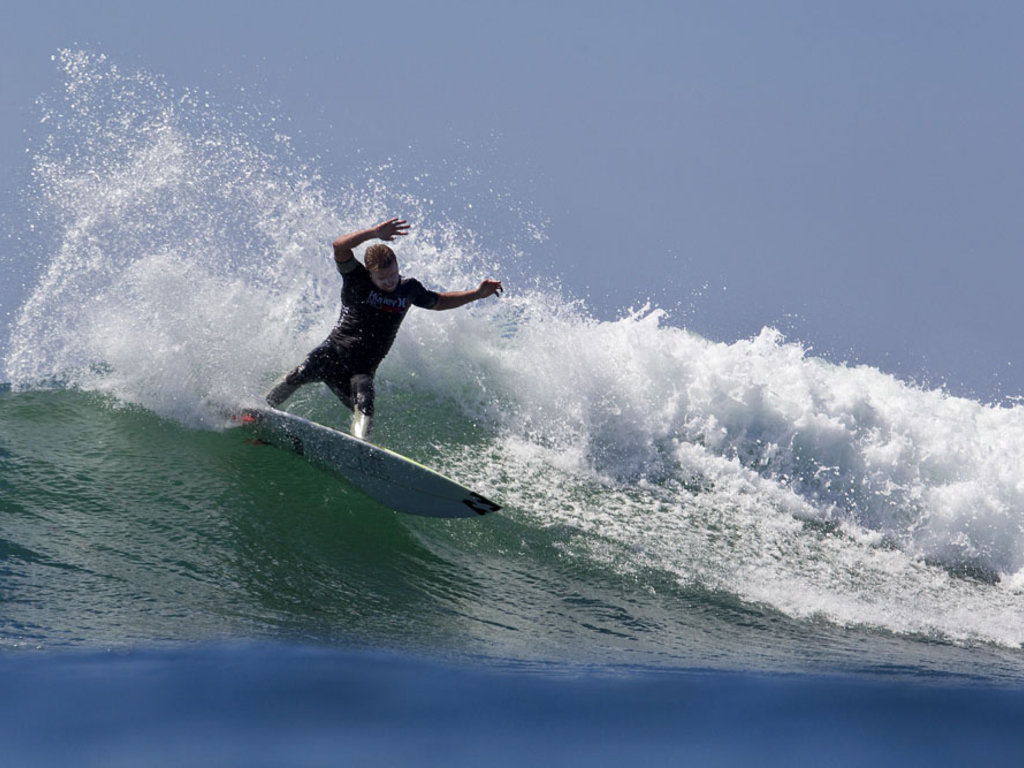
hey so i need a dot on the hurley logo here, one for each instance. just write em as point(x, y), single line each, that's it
point(387, 303)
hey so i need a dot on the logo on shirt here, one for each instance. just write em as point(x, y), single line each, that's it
point(385, 303)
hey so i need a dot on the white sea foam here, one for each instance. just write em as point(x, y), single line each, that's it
point(191, 264)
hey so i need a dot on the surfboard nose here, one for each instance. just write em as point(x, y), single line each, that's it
point(247, 416)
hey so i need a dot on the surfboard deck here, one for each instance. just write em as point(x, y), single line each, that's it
point(387, 477)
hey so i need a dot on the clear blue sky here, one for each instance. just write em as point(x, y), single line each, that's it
point(852, 173)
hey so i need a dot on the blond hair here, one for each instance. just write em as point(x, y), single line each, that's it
point(379, 256)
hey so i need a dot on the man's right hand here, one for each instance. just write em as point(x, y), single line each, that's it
point(388, 230)
point(391, 229)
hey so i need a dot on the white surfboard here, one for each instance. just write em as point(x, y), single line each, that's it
point(385, 476)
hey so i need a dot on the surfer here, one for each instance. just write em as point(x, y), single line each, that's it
point(374, 298)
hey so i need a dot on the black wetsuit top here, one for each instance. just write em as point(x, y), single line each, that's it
point(370, 317)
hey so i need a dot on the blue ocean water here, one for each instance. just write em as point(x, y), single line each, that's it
point(716, 553)
point(287, 705)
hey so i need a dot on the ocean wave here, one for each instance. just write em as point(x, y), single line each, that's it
point(192, 267)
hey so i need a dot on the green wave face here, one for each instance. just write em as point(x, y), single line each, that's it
point(121, 528)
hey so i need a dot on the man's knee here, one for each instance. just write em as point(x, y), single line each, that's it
point(298, 376)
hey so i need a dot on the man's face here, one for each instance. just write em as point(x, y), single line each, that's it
point(386, 278)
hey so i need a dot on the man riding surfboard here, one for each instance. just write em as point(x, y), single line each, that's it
point(375, 299)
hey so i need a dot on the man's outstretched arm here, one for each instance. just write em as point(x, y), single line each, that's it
point(387, 231)
point(454, 299)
